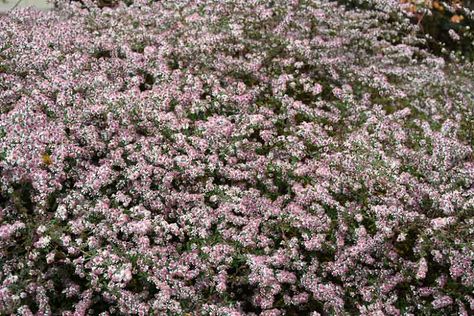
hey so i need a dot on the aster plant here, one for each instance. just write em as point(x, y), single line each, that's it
point(233, 158)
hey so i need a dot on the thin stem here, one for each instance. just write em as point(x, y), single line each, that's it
point(16, 4)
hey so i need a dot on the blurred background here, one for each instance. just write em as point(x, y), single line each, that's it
point(6, 5)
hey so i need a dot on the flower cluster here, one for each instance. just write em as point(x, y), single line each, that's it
point(232, 158)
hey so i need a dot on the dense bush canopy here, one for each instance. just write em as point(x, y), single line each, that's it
point(233, 158)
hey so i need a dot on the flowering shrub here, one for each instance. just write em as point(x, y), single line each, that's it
point(233, 158)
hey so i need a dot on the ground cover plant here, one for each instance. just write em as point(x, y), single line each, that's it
point(233, 158)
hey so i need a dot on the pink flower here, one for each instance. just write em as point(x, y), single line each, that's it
point(442, 302)
point(422, 269)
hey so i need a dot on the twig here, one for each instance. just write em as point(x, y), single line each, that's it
point(16, 4)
